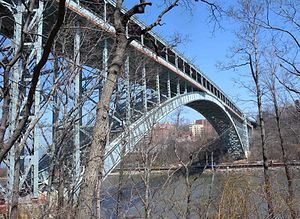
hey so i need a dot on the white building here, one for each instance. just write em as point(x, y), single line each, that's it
point(199, 127)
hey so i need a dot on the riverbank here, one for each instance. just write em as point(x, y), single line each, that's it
point(170, 193)
point(219, 167)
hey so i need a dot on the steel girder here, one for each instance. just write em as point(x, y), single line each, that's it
point(204, 103)
point(34, 45)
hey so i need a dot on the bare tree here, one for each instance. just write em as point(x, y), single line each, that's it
point(282, 21)
point(248, 15)
point(271, 84)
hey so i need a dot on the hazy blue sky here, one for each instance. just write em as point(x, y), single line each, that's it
point(202, 45)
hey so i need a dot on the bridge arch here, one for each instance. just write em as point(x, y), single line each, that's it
point(210, 107)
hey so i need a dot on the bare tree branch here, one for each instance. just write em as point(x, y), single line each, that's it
point(136, 9)
point(296, 72)
point(286, 86)
point(157, 22)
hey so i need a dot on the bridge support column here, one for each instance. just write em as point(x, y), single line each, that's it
point(169, 86)
point(104, 52)
point(201, 80)
point(37, 135)
point(105, 11)
point(31, 164)
point(167, 57)
point(142, 40)
point(105, 60)
point(144, 87)
point(16, 72)
point(77, 97)
point(128, 90)
point(246, 137)
point(178, 86)
point(157, 88)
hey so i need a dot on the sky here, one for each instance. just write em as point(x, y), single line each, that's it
point(201, 44)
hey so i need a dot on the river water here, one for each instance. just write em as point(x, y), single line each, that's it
point(211, 194)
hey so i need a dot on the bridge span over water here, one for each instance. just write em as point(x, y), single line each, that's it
point(156, 80)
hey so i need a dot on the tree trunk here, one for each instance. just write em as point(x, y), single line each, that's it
point(93, 170)
point(255, 70)
point(210, 192)
point(147, 174)
point(288, 173)
point(267, 185)
point(60, 195)
point(91, 181)
point(15, 192)
point(189, 192)
point(120, 185)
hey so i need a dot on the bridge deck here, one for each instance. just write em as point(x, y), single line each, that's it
point(100, 15)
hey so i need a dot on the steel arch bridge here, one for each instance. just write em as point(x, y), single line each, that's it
point(204, 103)
point(156, 80)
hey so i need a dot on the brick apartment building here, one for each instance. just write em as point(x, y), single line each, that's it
point(163, 132)
point(201, 127)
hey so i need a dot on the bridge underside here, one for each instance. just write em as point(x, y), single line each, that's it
point(223, 125)
point(202, 102)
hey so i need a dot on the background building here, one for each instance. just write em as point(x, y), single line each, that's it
point(201, 127)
